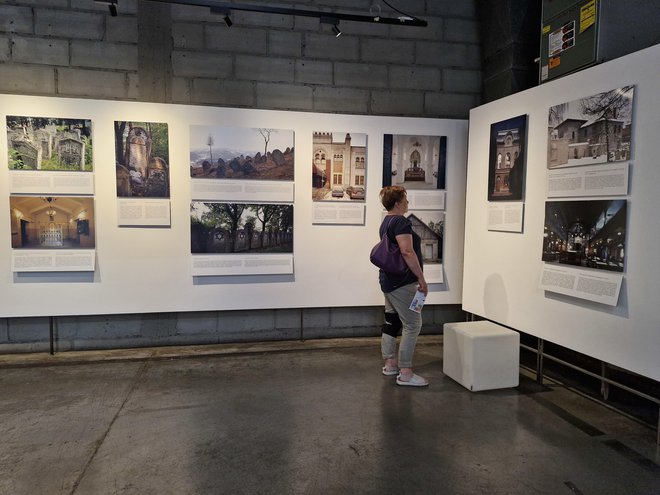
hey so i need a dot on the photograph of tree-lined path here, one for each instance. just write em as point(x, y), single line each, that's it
point(241, 228)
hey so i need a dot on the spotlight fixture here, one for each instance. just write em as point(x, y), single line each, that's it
point(112, 6)
point(335, 24)
point(223, 12)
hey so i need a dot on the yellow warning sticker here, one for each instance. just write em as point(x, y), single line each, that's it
point(554, 62)
point(587, 15)
point(546, 29)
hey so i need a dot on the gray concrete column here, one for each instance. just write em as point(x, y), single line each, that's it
point(510, 37)
point(154, 51)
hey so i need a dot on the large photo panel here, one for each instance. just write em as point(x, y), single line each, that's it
point(414, 162)
point(506, 159)
point(241, 154)
point(240, 228)
point(52, 222)
point(142, 159)
point(590, 234)
point(591, 130)
point(49, 155)
point(339, 166)
point(46, 143)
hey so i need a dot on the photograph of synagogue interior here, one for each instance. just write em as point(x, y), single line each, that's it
point(193, 296)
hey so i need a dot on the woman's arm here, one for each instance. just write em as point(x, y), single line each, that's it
point(405, 242)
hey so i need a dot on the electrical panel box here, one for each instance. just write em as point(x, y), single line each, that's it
point(578, 33)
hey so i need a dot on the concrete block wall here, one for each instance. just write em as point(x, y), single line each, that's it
point(155, 51)
point(72, 333)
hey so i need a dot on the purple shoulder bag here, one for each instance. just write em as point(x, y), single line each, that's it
point(387, 256)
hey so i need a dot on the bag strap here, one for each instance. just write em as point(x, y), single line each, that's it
point(389, 224)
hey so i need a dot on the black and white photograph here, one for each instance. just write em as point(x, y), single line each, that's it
point(241, 228)
point(339, 166)
point(142, 159)
point(592, 130)
point(506, 159)
point(429, 226)
point(52, 222)
point(44, 143)
point(241, 153)
point(586, 233)
point(413, 161)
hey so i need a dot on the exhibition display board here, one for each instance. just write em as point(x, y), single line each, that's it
point(582, 273)
point(113, 207)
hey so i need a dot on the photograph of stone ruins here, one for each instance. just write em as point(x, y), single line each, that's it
point(243, 154)
point(142, 158)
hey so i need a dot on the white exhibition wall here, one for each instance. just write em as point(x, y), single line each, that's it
point(142, 270)
point(502, 270)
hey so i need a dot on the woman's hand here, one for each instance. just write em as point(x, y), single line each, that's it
point(405, 242)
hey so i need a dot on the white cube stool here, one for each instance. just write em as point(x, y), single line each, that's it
point(481, 355)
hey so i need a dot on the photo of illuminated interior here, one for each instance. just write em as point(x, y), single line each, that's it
point(586, 233)
point(62, 222)
point(415, 162)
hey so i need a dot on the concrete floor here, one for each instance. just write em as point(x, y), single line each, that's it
point(318, 419)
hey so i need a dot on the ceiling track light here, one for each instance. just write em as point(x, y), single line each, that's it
point(224, 12)
point(326, 19)
point(112, 6)
point(374, 16)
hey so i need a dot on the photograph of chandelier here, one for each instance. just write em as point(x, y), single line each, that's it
point(62, 222)
point(590, 234)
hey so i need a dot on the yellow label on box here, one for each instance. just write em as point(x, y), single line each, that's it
point(587, 15)
point(546, 29)
point(554, 62)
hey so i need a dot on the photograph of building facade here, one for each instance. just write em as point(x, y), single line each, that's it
point(591, 130)
point(429, 226)
point(507, 159)
point(338, 166)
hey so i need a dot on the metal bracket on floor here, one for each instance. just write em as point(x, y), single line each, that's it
point(605, 381)
point(51, 334)
point(539, 362)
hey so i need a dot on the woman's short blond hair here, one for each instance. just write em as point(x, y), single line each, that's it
point(391, 195)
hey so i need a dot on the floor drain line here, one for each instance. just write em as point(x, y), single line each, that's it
point(574, 489)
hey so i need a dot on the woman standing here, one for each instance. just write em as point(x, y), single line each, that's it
point(399, 290)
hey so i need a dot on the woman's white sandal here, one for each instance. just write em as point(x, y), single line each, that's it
point(414, 381)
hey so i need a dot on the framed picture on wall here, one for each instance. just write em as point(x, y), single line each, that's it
point(52, 222)
point(339, 166)
point(142, 159)
point(591, 130)
point(49, 155)
point(507, 159)
point(586, 233)
point(240, 228)
point(415, 162)
point(245, 154)
point(45, 143)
